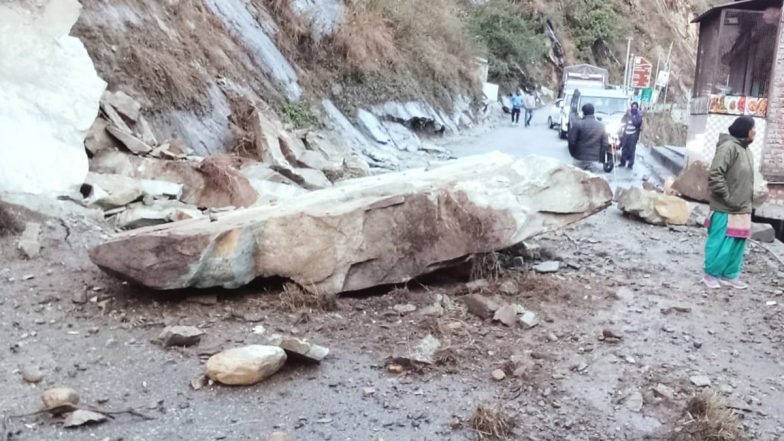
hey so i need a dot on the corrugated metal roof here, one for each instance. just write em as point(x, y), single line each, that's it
point(751, 5)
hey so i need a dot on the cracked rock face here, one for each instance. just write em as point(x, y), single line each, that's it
point(365, 232)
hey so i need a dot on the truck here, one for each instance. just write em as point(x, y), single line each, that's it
point(584, 76)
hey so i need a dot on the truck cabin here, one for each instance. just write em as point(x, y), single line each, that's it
point(740, 71)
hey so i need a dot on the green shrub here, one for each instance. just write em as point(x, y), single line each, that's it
point(297, 114)
point(510, 38)
point(594, 21)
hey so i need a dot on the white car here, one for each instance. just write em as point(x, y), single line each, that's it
point(554, 114)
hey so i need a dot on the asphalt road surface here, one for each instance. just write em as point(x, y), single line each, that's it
point(542, 141)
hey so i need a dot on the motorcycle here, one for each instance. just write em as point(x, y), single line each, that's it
point(613, 153)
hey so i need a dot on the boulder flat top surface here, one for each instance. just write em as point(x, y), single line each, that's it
point(364, 232)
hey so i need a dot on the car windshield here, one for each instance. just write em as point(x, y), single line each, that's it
point(605, 105)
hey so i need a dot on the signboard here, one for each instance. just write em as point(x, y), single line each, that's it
point(646, 95)
point(642, 71)
point(490, 91)
point(663, 78)
point(738, 105)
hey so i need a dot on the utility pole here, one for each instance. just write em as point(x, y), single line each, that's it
point(626, 68)
point(667, 86)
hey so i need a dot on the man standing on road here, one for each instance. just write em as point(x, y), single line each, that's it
point(517, 105)
point(587, 139)
point(632, 126)
point(529, 101)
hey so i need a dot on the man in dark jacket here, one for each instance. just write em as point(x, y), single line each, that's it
point(632, 126)
point(587, 139)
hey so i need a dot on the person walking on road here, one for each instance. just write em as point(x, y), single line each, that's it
point(588, 139)
point(529, 101)
point(517, 105)
point(632, 126)
point(731, 183)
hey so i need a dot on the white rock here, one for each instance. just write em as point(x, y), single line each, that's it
point(426, 350)
point(373, 127)
point(634, 400)
point(32, 374)
point(700, 380)
point(118, 191)
point(180, 336)
point(50, 94)
point(139, 215)
point(300, 348)
point(29, 242)
point(529, 319)
point(60, 399)
point(246, 365)
point(83, 417)
point(548, 267)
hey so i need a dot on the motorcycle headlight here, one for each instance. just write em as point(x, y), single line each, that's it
point(612, 128)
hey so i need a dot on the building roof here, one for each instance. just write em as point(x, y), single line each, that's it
point(749, 5)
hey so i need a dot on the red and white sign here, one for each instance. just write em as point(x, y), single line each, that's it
point(641, 73)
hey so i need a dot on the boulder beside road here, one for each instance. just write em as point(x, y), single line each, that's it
point(692, 183)
point(364, 232)
point(652, 207)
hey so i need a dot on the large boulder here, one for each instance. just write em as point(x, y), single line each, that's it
point(652, 207)
point(364, 232)
point(50, 95)
point(692, 183)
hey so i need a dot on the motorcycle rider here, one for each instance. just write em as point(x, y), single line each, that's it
point(588, 140)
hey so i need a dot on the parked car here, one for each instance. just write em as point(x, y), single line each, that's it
point(554, 114)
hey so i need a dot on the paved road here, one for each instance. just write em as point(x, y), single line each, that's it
point(542, 141)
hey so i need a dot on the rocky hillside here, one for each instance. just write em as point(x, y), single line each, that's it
point(193, 63)
point(197, 65)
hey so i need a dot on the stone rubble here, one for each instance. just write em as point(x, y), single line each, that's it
point(425, 351)
point(180, 336)
point(483, 306)
point(547, 267)
point(297, 347)
point(700, 380)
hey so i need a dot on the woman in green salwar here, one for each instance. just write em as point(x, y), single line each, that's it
point(731, 185)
